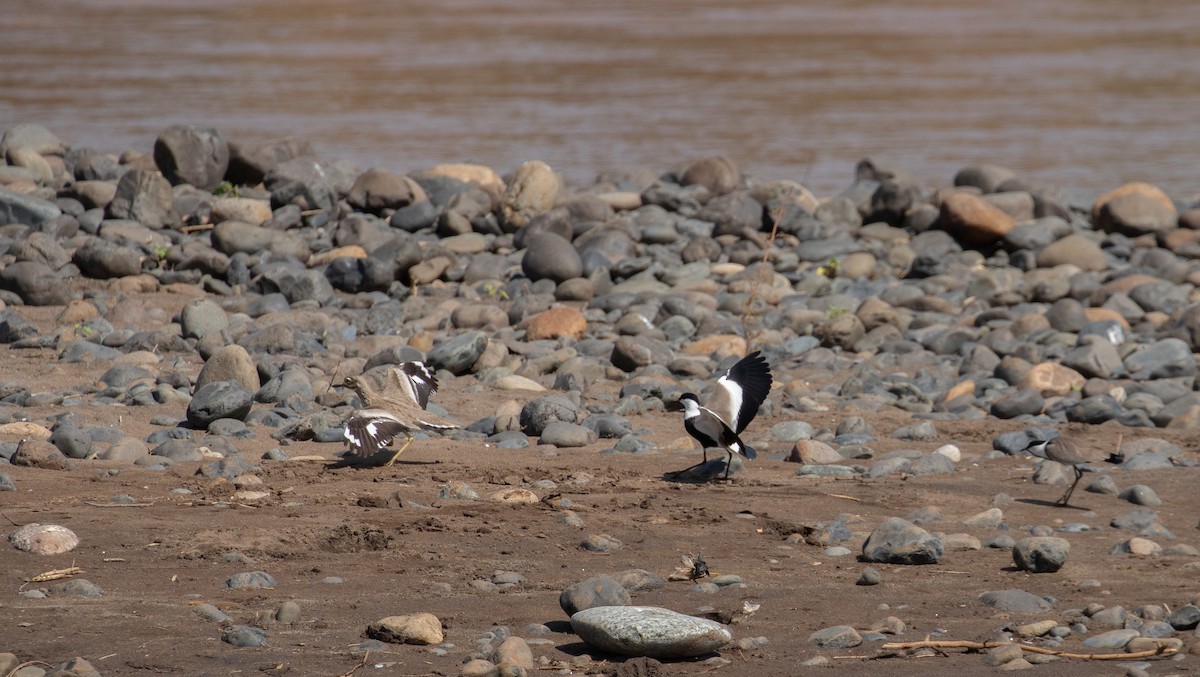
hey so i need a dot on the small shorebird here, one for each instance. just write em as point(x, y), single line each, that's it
point(399, 408)
point(1062, 450)
point(731, 407)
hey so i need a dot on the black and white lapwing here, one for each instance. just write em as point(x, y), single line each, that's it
point(398, 409)
point(1062, 450)
point(731, 407)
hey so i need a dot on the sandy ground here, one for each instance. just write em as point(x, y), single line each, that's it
point(154, 561)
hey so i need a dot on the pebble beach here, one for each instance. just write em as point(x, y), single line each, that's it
point(182, 319)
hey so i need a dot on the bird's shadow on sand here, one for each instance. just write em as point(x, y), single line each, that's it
point(704, 472)
point(376, 461)
point(1049, 504)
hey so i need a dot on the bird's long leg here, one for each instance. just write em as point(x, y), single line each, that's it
point(728, 463)
point(1067, 496)
point(400, 450)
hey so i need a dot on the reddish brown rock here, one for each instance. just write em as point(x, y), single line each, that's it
point(1134, 209)
point(36, 453)
point(556, 322)
point(972, 220)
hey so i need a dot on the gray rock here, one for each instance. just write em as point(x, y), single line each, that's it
point(601, 543)
point(79, 587)
point(537, 414)
point(1140, 494)
point(648, 631)
point(1113, 639)
point(229, 363)
point(608, 426)
point(549, 256)
point(103, 260)
point(1167, 358)
point(194, 155)
point(217, 400)
point(376, 190)
point(244, 636)
point(869, 576)
point(1041, 554)
point(896, 541)
point(35, 283)
point(233, 237)
point(460, 353)
point(1112, 617)
point(931, 464)
point(202, 316)
point(211, 613)
point(301, 181)
point(1097, 358)
point(178, 450)
point(288, 612)
point(1186, 617)
point(1135, 520)
point(289, 386)
point(143, 196)
point(249, 163)
point(232, 466)
point(14, 328)
point(531, 191)
point(33, 137)
point(593, 592)
point(27, 209)
point(6, 482)
point(1015, 601)
point(251, 580)
point(564, 434)
point(1146, 460)
point(836, 637)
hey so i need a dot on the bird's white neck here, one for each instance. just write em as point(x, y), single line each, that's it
point(690, 409)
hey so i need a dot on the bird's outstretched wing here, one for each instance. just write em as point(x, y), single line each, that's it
point(370, 430)
point(741, 391)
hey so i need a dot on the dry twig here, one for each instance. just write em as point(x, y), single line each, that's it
point(939, 644)
point(97, 504)
point(55, 574)
point(361, 665)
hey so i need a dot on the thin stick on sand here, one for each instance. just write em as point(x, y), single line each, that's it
point(939, 644)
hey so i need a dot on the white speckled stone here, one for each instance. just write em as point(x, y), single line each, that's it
point(43, 539)
point(648, 631)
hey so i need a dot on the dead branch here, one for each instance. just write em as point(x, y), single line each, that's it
point(55, 574)
point(937, 644)
point(361, 665)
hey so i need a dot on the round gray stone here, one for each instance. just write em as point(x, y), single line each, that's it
point(648, 631)
point(593, 592)
point(1041, 554)
point(897, 541)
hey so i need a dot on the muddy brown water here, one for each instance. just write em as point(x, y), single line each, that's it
point(1084, 94)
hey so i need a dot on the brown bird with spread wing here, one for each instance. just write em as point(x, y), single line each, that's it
point(398, 409)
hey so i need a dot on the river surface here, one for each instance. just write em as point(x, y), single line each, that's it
point(1082, 94)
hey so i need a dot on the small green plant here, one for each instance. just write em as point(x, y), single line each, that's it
point(84, 330)
point(494, 292)
point(160, 252)
point(225, 189)
point(830, 269)
point(836, 311)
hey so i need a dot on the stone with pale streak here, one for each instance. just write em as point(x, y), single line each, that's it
point(1052, 379)
point(418, 628)
point(718, 345)
point(351, 251)
point(25, 429)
